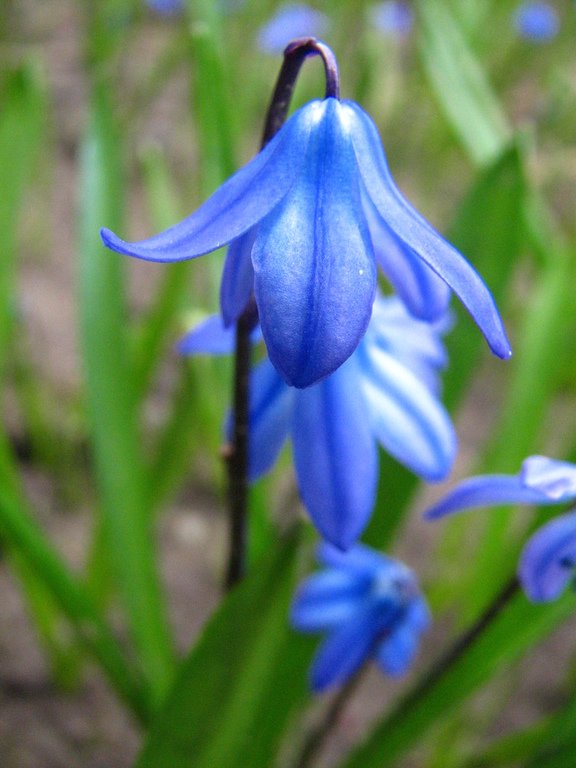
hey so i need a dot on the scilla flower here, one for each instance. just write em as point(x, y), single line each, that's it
point(385, 393)
point(537, 21)
point(305, 219)
point(548, 561)
point(370, 606)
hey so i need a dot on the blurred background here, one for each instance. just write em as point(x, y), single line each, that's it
point(127, 114)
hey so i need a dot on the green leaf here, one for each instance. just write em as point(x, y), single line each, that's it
point(520, 626)
point(111, 403)
point(460, 82)
point(239, 686)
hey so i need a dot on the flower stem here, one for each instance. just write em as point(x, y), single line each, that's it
point(294, 55)
point(318, 736)
point(238, 458)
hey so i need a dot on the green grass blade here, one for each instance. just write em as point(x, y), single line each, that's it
point(460, 82)
point(509, 636)
point(112, 407)
point(240, 684)
point(21, 534)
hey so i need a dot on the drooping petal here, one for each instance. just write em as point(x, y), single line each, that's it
point(548, 560)
point(211, 337)
point(271, 405)
point(419, 235)
point(425, 294)
point(417, 615)
point(344, 650)
point(237, 205)
point(396, 652)
point(237, 277)
point(405, 417)
point(335, 456)
point(315, 274)
point(486, 491)
point(556, 479)
point(326, 600)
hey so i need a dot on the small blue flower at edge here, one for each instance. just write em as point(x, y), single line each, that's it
point(166, 7)
point(369, 605)
point(548, 560)
point(290, 21)
point(304, 219)
point(537, 21)
point(386, 392)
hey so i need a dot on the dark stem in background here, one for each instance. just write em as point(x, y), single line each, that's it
point(318, 736)
point(294, 56)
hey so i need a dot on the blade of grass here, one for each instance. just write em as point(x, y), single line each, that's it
point(507, 638)
point(111, 405)
point(22, 534)
point(460, 82)
point(238, 688)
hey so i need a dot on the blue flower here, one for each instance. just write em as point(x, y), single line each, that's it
point(393, 18)
point(537, 21)
point(290, 21)
point(548, 560)
point(386, 393)
point(369, 605)
point(304, 218)
point(166, 7)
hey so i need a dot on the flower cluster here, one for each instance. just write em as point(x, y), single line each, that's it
point(370, 606)
point(386, 392)
point(307, 223)
point(548, 561)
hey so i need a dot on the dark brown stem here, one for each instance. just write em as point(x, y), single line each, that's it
point(317, 737)
point(294, 55)
point(238, 458)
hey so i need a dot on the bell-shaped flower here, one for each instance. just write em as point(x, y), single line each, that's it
point(369, 605)
point(385, 393)
point(306, 220)
point(548, 561)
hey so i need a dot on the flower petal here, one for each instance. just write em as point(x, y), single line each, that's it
point(419, 235)
point(326, 600)
point(406, 418)
point(396, 652)
point(556, 479)
point(315, 275)
point(237, 277)
point(425, 294)
point(548, 559)
point(271, 406)
point(486, 491)
point(237, 205)
point(335, 456)
point(344, 651)
point(210, 337)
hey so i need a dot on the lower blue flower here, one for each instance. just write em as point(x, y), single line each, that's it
point(537, 21)
point(369, 605)
point(385, 393)
point(548, 562)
